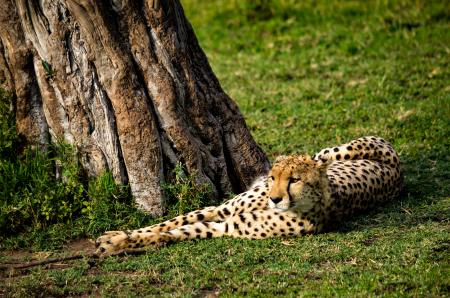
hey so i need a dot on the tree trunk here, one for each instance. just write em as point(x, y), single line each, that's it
point(127, 84)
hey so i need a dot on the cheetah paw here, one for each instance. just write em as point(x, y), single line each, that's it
point(111, 241)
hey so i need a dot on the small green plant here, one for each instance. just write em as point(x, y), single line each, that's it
point(184, 193)
point(31, 194)
point(110, 206)
point(49, 71)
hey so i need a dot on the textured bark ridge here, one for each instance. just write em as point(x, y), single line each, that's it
point(127, 84)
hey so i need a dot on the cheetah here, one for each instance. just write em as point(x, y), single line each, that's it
point(300, 195)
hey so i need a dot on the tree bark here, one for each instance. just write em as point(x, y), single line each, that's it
point(128, 85)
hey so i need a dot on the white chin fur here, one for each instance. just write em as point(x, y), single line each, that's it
point(282, 208)
point(271, 204)
point(277, 206)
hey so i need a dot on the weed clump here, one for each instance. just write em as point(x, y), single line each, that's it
point(184, 194)
point(45, 195)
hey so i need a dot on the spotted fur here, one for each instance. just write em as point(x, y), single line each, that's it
point(300, 195)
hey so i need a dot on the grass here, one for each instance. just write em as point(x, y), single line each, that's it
point(307, 75)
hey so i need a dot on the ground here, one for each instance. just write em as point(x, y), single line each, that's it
point(307, 76)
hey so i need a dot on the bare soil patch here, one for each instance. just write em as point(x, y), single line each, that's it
point(79, 246)
point(12, 261)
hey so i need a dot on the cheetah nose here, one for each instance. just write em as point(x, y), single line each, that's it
point(276, 200)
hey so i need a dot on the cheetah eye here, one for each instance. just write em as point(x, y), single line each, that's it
point(294, 180)
point(272, 178)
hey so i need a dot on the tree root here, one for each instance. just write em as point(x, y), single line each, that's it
point(91, 256)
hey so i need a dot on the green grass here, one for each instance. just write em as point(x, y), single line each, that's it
point(40, 211)
point(307, 76)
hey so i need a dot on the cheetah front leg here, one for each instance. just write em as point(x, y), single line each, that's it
point(115, 241)
point(251, 200)
point(256, 224)
point(112, 241)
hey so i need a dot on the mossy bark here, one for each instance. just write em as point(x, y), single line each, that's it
point(128, 85)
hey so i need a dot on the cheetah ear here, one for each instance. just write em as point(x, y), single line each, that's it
point(280, 158)
point(323, 165)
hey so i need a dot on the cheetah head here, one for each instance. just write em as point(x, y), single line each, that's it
point(296, 182)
